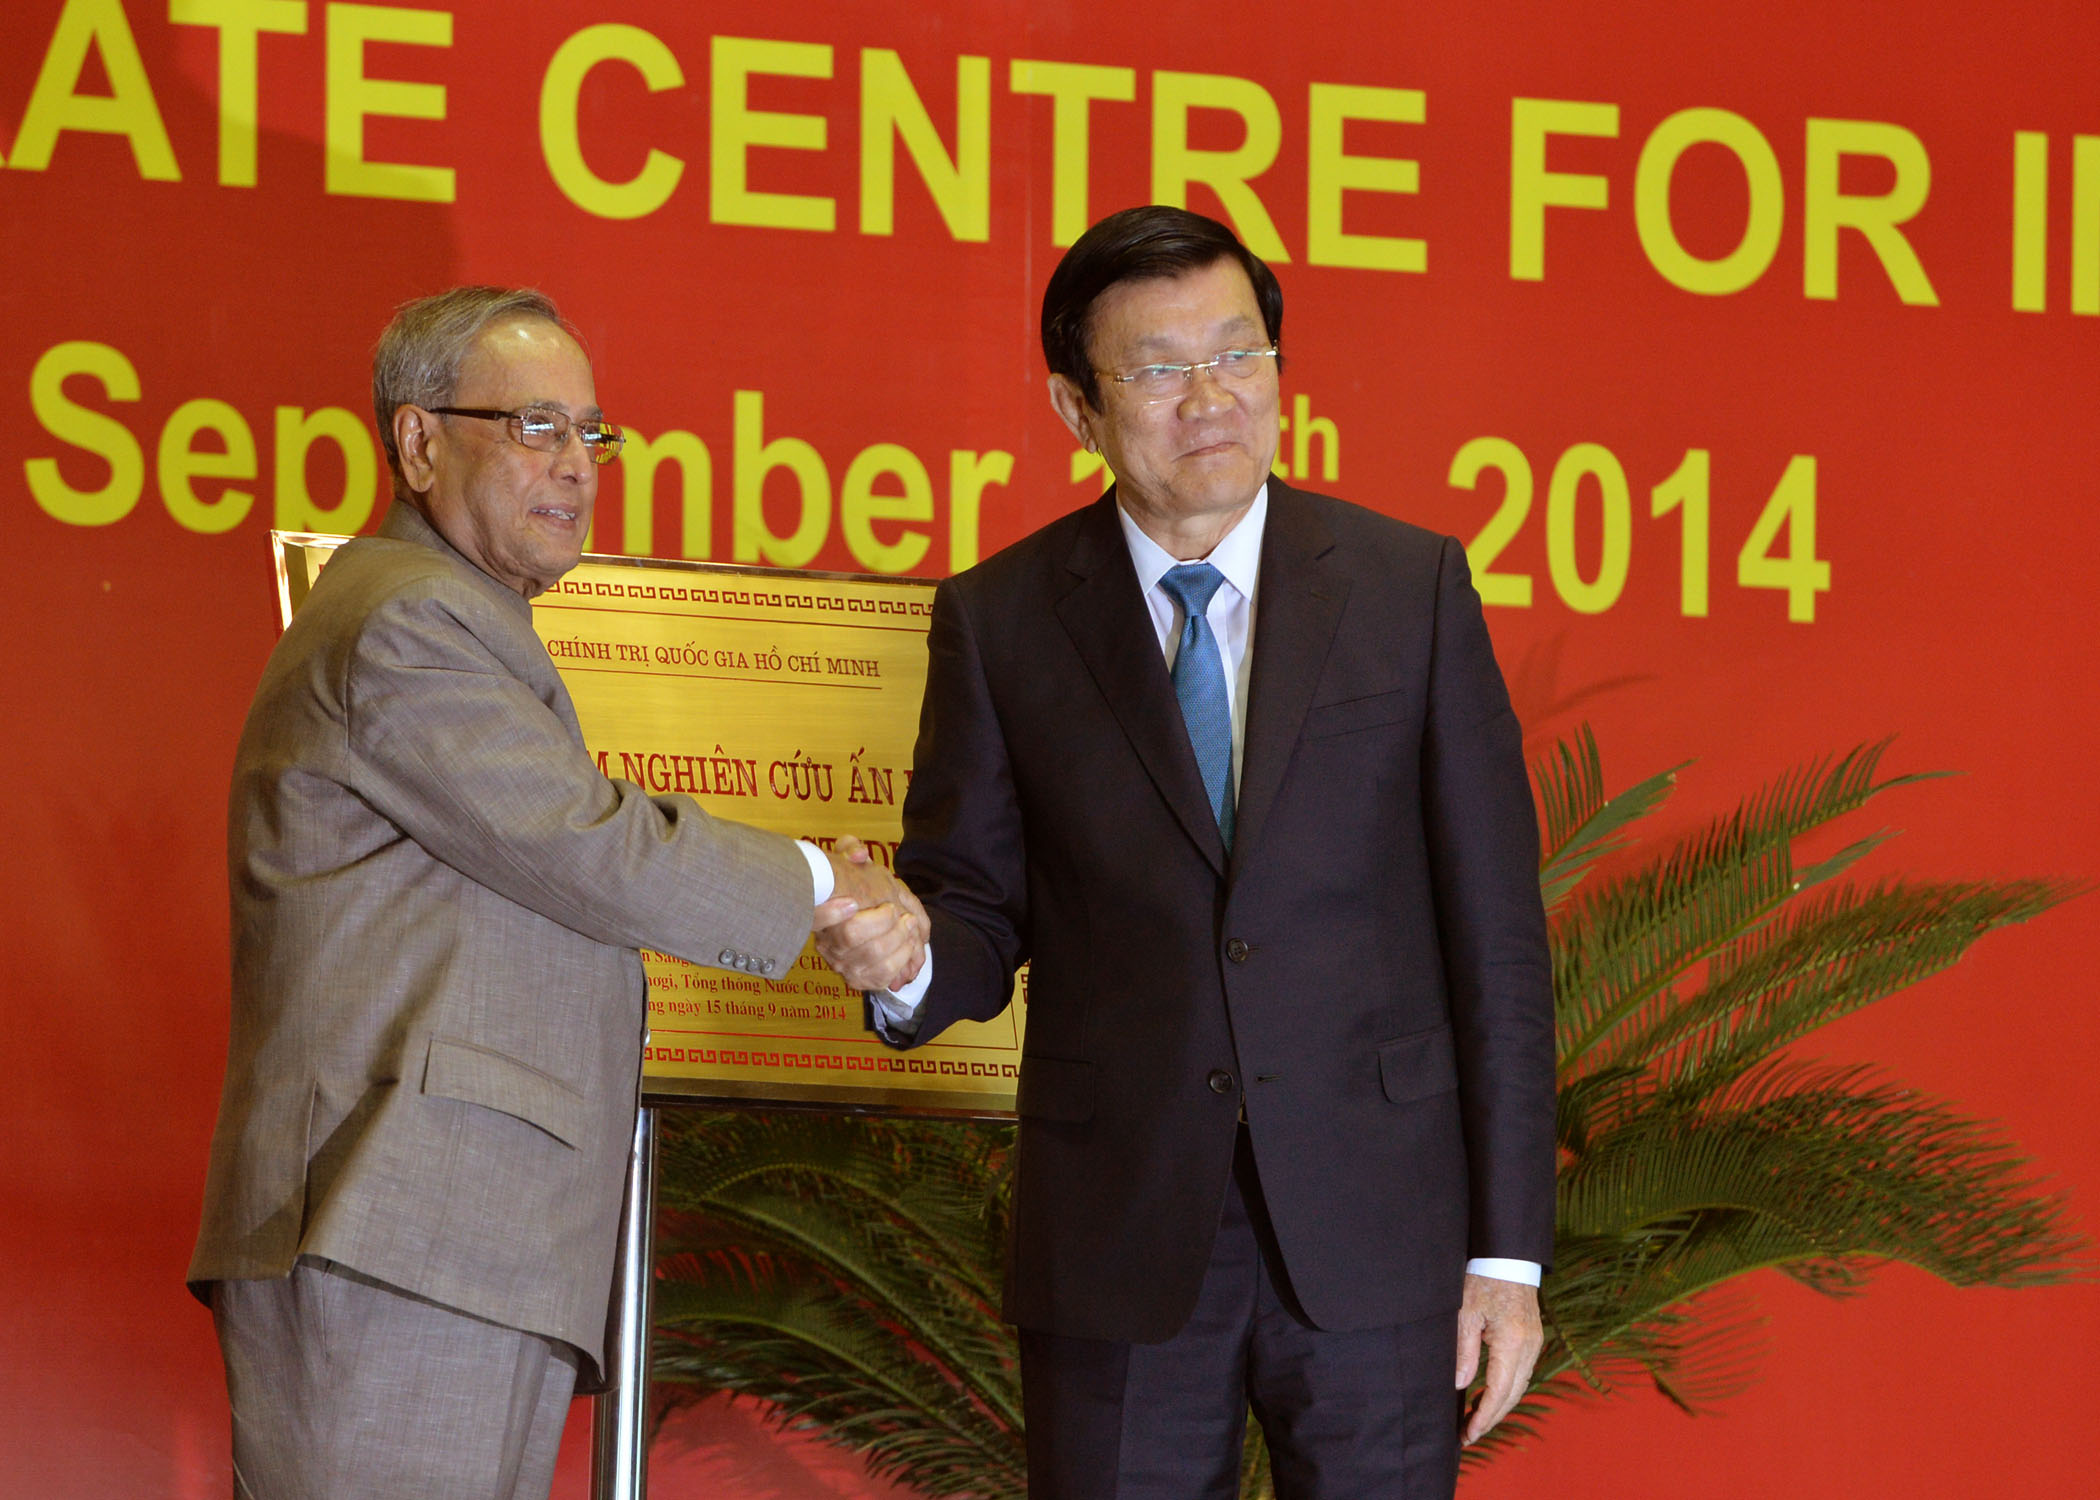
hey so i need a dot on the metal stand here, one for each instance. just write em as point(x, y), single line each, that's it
point(620, 1420)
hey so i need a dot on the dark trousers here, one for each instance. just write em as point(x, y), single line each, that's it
point(1363, 1413)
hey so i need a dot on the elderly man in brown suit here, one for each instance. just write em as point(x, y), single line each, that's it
point(412, 1210)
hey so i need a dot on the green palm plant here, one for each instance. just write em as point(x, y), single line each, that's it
point(1695, 1147)
point(845, 1269)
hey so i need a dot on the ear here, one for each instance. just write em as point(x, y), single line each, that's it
point(1070, 405)
point(415, 434)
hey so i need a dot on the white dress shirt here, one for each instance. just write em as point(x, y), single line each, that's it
point(1231, 617)
point(819, 870)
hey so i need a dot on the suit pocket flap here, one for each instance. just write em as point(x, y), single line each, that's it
point(1056, 1088)
point(475, 1075)
point(1415, 1067)
point(1324, 719)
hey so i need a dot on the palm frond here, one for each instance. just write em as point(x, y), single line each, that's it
point(1822, 959)
point(824, 1365)
point(844, 1270)
point(1802, 1162)
point(1620, 947)
point(1582, 823)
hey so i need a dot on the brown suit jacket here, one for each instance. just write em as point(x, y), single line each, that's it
point(437, 1002)
point(1364, 974)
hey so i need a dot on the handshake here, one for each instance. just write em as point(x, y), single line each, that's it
point(872, 930)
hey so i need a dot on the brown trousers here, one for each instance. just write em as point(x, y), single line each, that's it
point(344, 1388)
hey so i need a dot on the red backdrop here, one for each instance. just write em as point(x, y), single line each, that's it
point(1832, 271)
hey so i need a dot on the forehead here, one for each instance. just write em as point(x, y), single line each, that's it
point(1196, 306)
point(527, 359)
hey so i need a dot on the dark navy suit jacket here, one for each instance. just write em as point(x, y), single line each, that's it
point(1365, 974)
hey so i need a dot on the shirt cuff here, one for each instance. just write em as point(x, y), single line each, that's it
point(819, 870)
point(897, 1011)
point(1523, 1272)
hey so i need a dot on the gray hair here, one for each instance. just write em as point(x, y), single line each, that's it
point(417, 359)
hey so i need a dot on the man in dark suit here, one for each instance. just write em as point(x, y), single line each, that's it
point(1231, 765)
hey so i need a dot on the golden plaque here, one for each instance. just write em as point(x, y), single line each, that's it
point(789, 701)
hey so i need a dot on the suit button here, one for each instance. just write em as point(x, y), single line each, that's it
point(726, 958)
point(766, 967)
point(1236, 951)
point(1220, 1081)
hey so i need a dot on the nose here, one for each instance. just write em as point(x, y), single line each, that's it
point(1206, 392)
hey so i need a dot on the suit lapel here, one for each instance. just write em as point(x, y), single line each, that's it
point(1109, 625)
point(1298, 604)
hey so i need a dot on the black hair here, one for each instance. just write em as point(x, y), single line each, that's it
point(1139, 244)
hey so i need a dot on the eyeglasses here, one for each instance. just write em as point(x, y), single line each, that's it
point(546, 431)
point(1170, 382)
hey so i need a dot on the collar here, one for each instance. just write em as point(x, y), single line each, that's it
point(404, 523)
point(1237, 556)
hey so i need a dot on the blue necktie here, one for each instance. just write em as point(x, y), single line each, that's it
point(1199, 684)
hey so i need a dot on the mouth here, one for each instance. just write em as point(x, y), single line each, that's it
point(564, 514)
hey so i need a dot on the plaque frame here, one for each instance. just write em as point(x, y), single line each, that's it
point(297, 559)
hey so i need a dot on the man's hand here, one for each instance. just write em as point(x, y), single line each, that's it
point(856, 877)
point(1503, 1315)
point(873, 930)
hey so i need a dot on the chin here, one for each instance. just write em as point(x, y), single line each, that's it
point(547, 570)
point(1226, 491)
